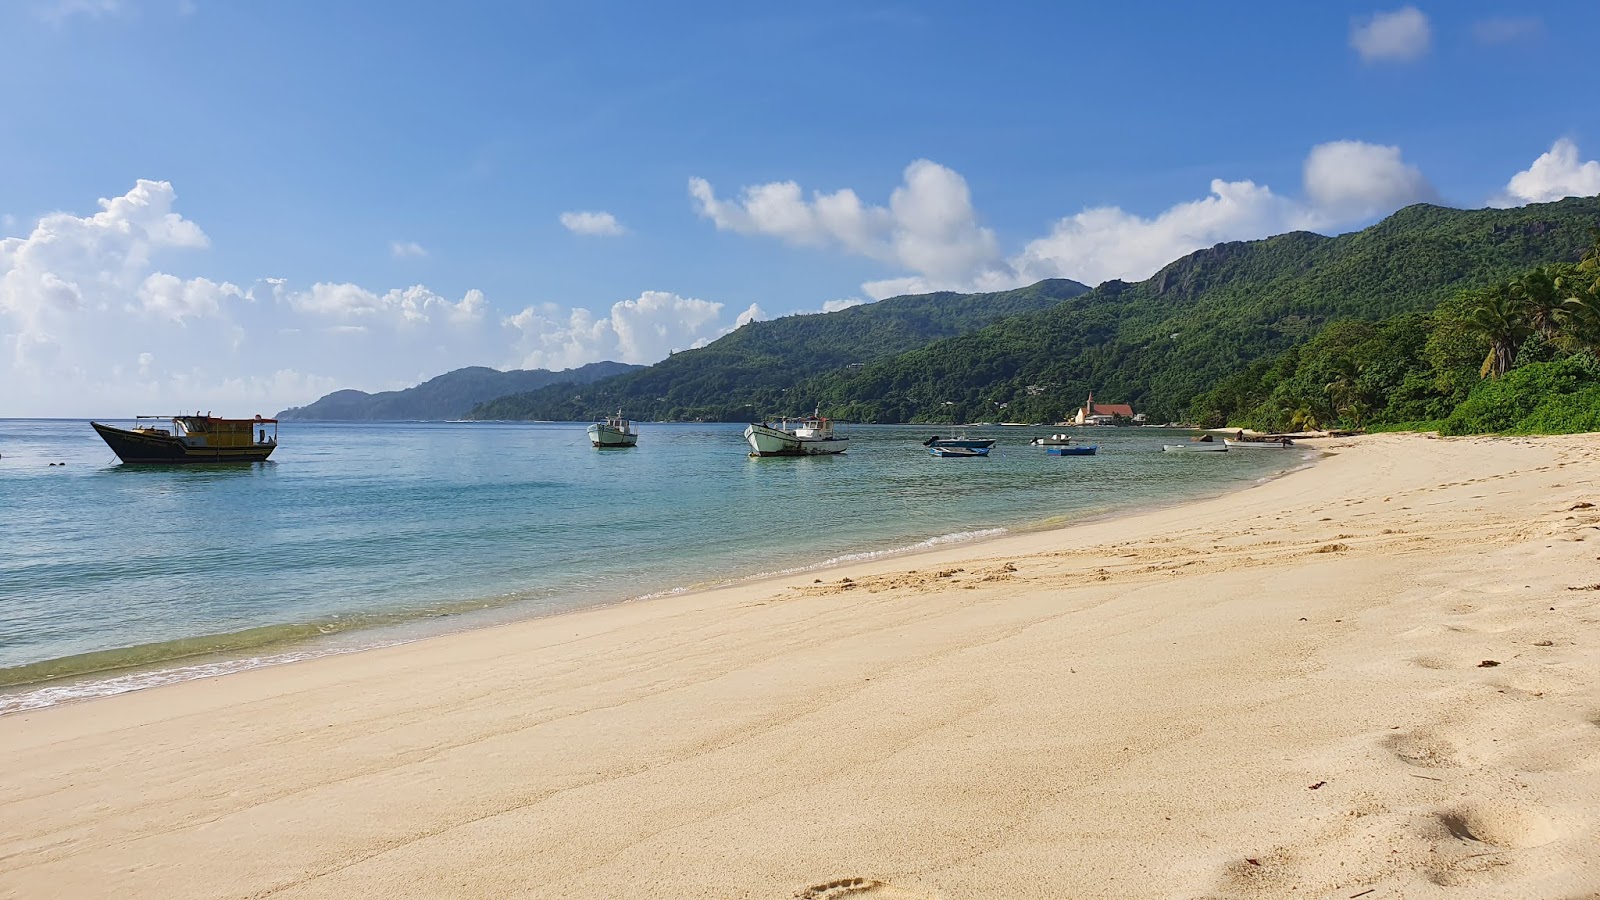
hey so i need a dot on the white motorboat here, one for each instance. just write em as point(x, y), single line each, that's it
point(1273, 444)
point(1054, 440)
point(809, 436)
point(1197, 447)
point(614, 433)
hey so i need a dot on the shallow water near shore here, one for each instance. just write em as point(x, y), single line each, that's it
point(117, 577)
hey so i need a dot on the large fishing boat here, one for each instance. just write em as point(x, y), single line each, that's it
point(614, 432)
point(809, 436)
point(191, 439)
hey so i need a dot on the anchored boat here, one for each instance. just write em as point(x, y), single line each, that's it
point(809, 436)
point(957, 452)
point(613, 432)
point(962, 443)
point(1073, 450)
point(191, 439)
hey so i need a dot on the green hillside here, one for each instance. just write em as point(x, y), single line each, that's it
point(449, 396)
point(1160, 343)
point(747, 373)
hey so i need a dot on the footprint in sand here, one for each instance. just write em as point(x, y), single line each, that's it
point(1424, 748)
point(856, 887)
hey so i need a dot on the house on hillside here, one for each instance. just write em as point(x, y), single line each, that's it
point(1092, 413)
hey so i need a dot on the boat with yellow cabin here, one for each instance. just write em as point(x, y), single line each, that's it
point(191, 439)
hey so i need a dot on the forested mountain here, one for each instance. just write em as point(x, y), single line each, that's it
point(745, 374)
point(449, 396)
point(1162, 342)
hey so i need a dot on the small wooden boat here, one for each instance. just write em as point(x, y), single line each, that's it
point(1263, 444)
point(1196, 447)
point(809, 436)
point(969, 443)
point(958, 452)
point(1074, 450)
point(613, 433)
point(191, 439)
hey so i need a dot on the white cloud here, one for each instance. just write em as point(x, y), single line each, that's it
point(412, 305)
point(84, 300)
point(929, 226)
point(1399, 36)
point(407, 249)
point(599, 224)
point(170, 297)
point(1108, 242)
point(1554, 175)
point(1346, 180)
point(70, 264)
point(752, 313)
point(642, 330)
point(1507, 30)
point(829, 306)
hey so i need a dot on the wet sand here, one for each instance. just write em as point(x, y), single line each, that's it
point(1381, 673)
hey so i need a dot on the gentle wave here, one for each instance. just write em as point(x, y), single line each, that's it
point(79, 671)
point(959, 537)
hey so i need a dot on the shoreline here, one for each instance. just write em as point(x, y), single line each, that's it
point(400, 627)
point(1382, 673)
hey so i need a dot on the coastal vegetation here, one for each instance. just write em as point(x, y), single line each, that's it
point(1466, 320)
point(752, 371)
point(1517, 355)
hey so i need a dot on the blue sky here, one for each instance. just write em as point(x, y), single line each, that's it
point(306, 196)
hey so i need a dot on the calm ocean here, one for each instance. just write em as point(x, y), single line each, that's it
point(117, 577)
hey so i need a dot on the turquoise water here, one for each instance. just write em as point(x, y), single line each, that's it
point(113, 577)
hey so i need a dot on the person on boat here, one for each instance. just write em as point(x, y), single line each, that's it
point(1239, 435)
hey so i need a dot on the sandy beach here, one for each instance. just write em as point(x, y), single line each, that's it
point(1379, 677)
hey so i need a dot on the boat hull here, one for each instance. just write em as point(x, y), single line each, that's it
point(1072, 451)
point(963, 443)
point(604, 437)
point(1195, 447)
point(138, 448)
point(1257, 445)
point(958, 452)
point(768, 441)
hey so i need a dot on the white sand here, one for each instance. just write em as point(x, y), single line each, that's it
point(1275, 693)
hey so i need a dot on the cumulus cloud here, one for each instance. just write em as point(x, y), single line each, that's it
point(641, 330)
point(1399, 36)
point(170, 297)
point(407, 250)
point(1108, 242)
point(1507, 30)
point(412, 305)
point(598, 224)
point(70, 264)
point(1347, 180)
point(84, 300)
point(1556, 174)
point(931, 228)
point(829, 306)
point(929, 225)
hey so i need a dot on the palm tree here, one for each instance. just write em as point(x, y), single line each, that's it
point(1499, 316)
point(1343, 389)
point(1303, 419)
point(1539, 292)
